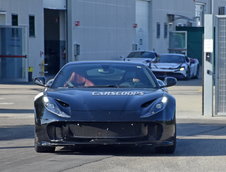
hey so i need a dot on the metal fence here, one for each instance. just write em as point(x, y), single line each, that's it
point(220, 66)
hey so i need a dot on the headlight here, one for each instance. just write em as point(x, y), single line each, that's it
point(156, 107)
point(52, 107)
point(182, 69)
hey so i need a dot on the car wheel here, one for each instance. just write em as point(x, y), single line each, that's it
point(167, 149)
point(44, 149)
point(197, 73)
point(188, 74)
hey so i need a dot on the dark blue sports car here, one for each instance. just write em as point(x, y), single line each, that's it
point(105, 103)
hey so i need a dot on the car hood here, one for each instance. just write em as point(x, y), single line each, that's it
point(141, 60)
point(105, 99)
point(166, 65)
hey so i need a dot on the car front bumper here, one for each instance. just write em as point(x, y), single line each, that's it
point(60, 133)
point(172, 73)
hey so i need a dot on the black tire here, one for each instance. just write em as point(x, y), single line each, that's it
point(188, 74)
point(197, 73)
point(167, 149)
point(44, 149)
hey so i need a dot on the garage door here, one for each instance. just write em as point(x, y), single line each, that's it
point(142, 16)
point(13, 58)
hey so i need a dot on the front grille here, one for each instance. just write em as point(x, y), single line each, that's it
point(85, 131)
point(165, 74)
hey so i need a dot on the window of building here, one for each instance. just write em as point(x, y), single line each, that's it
point(14, 20)
point(158, 32)
point(221, 11)
point(165, 30)
point(15, 32)
point(32, 26)
point(2, 18)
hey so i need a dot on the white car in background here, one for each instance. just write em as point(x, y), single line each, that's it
point(176, 65)
point(145, 57)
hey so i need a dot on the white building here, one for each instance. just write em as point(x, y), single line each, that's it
point(156, 18)
point(21, 13)
point(100, 29)
point(68, 30)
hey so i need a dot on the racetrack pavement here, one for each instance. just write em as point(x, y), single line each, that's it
point(201, 141)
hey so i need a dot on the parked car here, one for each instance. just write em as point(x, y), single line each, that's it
point(145, 57)
point(177, 65)
point(105, 103)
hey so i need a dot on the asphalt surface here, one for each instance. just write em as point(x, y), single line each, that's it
point(201, 141)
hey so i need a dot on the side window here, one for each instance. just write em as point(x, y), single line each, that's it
point(31, 26)
point(165, 30)
point(14, 20)
point(158, 30)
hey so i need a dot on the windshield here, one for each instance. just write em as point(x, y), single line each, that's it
point(104, 75)
point(142, 54)
point(171, 59)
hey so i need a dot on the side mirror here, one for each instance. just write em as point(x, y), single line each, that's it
point(40, 81)
point(170, 81)
point(157, 59)
point(49, 83)
point(122, 58)
point(161, 83)
point(149, 63)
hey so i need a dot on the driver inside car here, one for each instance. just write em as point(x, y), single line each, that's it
point(77, 80)
point(132, 79)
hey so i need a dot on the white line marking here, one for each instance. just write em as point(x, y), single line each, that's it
point(6, 103)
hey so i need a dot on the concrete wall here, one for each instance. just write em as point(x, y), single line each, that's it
point(24, 8)
point(105, 28)
point(216, 4)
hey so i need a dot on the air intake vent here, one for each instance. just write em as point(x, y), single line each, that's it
point(62, 103)
point(147, 103)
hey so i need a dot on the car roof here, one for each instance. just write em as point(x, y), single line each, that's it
point(175, 54)
point(106, 62)
point(137, 51)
